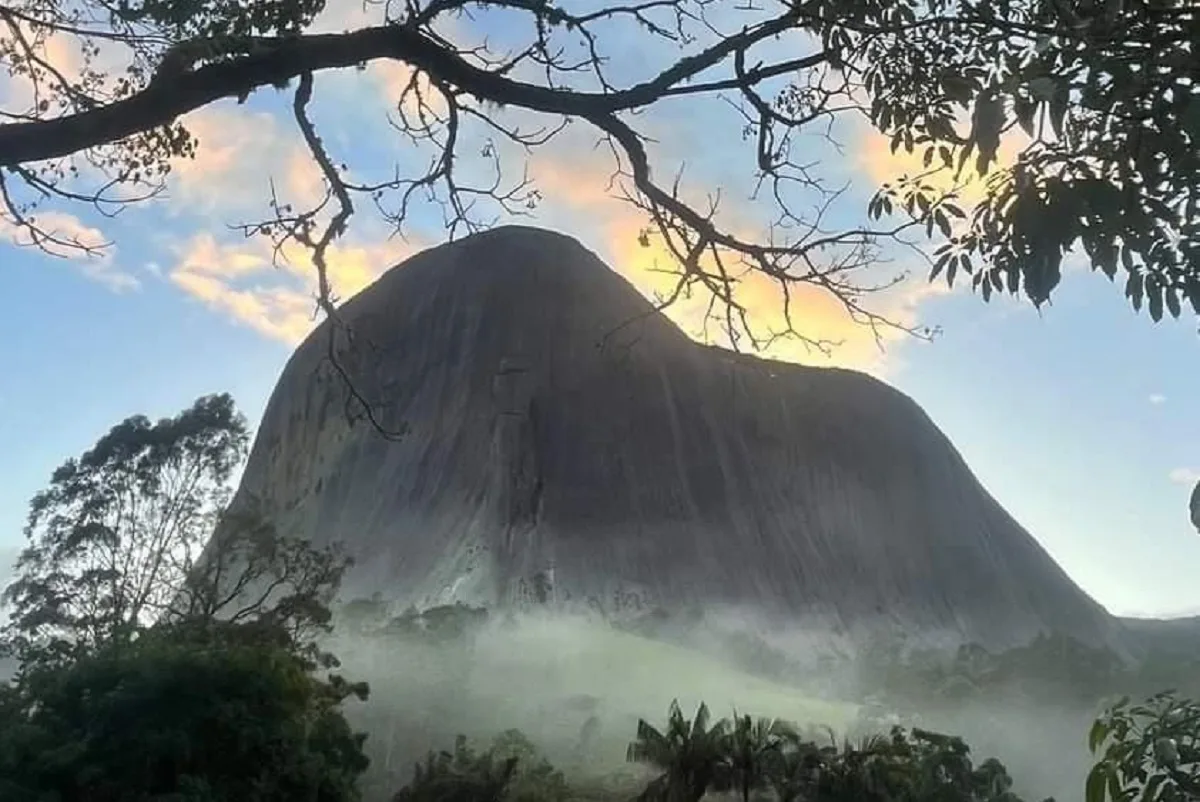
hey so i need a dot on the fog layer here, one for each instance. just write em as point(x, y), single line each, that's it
point(576, 687)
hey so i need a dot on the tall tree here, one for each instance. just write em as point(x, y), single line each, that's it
point(249, 571)
point(1103, 92)
point(161, 660)
point(112, 538)
point(118, 542)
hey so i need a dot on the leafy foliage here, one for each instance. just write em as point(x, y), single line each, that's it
point(915, 764)
point(1103, 94)
point(153, 667)
point(249, 571)
point(137, 531)
point(1051, 669)
point(114, 537)
point(510, 770)
point(459, 776)
point(187, 19)
point(1148, 752)
point(688, 752)
point(203, 714)
point(749, 747)
point(442, 623)
point(535, 778)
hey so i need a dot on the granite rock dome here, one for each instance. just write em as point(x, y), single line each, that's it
point(570, 446)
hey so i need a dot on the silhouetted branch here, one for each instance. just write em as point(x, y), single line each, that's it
point(914, 73)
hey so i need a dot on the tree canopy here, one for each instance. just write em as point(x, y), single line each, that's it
point(137, 532)
point(114, 536)
point(182, 713)
point(162, 644)
point(1101, 96)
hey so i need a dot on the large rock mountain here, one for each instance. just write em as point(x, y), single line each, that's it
point(568, 445)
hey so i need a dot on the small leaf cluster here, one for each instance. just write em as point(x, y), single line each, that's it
point(1148, 752)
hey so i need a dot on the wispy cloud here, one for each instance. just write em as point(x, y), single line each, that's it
point(239, 152)
point(99, 264)
point(1185, 476)
point(573, 178)
point(1157, 399)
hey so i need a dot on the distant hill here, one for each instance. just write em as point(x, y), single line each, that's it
point(1178, 636)
point(571, 447)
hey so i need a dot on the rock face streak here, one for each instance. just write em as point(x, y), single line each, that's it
point(568, 445)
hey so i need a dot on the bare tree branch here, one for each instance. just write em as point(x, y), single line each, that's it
point(1115, 161)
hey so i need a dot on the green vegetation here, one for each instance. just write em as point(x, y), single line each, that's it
point(113, 540)
point(203, 714)
point(154, 665)
point(1146, 752)
point(157, 664)
point(137, 531)
point(762, 758)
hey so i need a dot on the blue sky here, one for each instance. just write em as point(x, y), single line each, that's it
point(1077, 418)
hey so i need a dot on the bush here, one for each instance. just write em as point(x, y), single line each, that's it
point(183, 716)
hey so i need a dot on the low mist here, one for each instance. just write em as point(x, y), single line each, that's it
point(576, 687)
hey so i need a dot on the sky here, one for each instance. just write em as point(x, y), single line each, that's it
point(1080, 418)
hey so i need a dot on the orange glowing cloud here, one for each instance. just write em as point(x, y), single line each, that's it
point(275, 298)
point(278, 312)
point(810, 313)
point(577, 192)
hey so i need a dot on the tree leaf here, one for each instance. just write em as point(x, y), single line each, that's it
point(1135, 290)
point(943, 224)
point(1058, 108)
point(1096, 784)
point(939, 264)
point(1154, 298)
point(1172, 300)
point(1097, 734)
